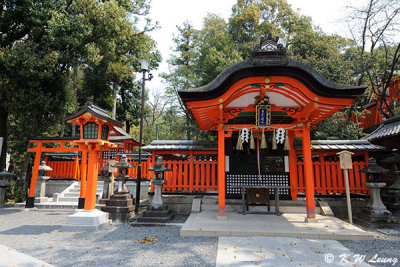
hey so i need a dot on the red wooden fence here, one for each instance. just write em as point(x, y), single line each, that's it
point(197, 176)
point(329, 178)
point(200, 175)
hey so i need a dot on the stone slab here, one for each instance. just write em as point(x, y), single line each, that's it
point(282, 251)
point(325, 208)
point(196, 205)
point(11, 257)
point(86, 221)
point(287, 225)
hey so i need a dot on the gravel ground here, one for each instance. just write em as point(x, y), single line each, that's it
point(383, 247)
point(38, 234)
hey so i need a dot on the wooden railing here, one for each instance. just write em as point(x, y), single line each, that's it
point(187, 176)
point(200, 175)
point(64, 169)
point(329, 178)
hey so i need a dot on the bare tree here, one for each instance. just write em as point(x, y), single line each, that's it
point(374, 27)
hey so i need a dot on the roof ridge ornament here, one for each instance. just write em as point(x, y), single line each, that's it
point(268, 50)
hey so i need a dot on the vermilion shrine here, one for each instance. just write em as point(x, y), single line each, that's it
point(261, 111)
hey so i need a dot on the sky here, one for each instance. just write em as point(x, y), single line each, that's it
point(327, 14)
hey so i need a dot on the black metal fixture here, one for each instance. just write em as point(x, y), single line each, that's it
point(144, 67)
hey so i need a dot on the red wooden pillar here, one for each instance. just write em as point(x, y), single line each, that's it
point(191, 172)
point(292, 167)
point(92, 175)
point(76, 168)
point(83, 179)
point(30, 202)
point(308, 172)
point(221, 173)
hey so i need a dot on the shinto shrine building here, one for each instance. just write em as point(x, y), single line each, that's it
point(269, 97)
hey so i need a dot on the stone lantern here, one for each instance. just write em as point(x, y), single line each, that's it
point(107, 175)
point(391, 195)
point(157, 211)
point(40, 194)
point(376, 211)
point(394, 162)
point(123, 166)
point(120, 205)
point(5, 176)
point(159, 169)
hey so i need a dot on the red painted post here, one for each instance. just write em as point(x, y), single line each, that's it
point(90, 199)
point(308, 173)
point(191, 174)
point(221, 172)
point(292, 167)
point(83, 174)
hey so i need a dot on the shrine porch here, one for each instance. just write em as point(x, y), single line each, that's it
point(205, 223)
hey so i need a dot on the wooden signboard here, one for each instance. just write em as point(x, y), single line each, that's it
point(263, 115)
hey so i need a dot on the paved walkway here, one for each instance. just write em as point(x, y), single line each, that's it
point(205, 223)
point(10, 257)
point(283, 251)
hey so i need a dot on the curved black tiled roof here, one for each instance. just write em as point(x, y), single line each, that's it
point(389, 128)
point(270, 66)
point(95, 110)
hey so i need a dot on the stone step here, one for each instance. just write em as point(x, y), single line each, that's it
point(72, 195)
point(151, 213)
point(68, 199)
point(74, 190)
point(156, 219)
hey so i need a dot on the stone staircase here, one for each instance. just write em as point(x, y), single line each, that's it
point(72, 193)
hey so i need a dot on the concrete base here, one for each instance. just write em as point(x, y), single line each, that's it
point(311, 220)
point(86, 220)
point(30, 209)
point(221, 218)
point(287, 225)
point(41, 199)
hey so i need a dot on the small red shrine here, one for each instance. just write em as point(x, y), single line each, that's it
point(273, 98)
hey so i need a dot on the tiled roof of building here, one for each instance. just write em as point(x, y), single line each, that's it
point(388, 128)
point(173, 145)
point(344, 145)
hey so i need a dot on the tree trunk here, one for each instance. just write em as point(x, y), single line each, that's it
point(188, 129)
point(62, 125)
point(4, 134)
point(114, 108)
point(127, 126)
point(24, 169)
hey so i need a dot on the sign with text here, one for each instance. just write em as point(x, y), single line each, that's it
point(263, 115)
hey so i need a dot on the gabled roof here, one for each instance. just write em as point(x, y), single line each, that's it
point(120, 135)
point(344, 145)
point(388, 129)
point(96, 111)
point(187, 145)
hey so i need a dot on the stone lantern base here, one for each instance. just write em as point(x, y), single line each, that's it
point(375, 212)
point(157, 212)
point(391, 198)
point(120, 207)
